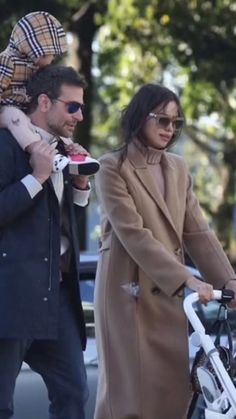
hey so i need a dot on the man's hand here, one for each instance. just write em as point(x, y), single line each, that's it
point(41, 160)
point(81, 182)
point(75, 148)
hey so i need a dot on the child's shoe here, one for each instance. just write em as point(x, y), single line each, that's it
point(79, 164)
point(59, 163)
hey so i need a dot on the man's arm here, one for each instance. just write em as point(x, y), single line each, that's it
point(17, 196)
point(14, 197)
point(81, 190)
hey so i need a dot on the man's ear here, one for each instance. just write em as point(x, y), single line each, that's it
point(44, 103)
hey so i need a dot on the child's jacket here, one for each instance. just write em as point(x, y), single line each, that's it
point(36, 34)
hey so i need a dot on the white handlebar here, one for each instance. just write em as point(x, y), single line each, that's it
point(190, 312)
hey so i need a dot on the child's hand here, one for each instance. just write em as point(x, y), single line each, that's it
point(75, 148)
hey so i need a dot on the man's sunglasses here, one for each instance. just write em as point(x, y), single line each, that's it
point(164, 121)
point(72, 107)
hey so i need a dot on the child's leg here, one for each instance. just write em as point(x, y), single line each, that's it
point(19, 125)
point(23, 131)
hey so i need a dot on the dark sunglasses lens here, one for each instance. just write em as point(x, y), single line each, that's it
point(178, 123)
point(164, 121)
point(73, 107)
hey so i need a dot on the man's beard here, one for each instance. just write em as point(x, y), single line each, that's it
point(57, 131)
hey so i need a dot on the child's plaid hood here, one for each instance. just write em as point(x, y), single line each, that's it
point(38, 34)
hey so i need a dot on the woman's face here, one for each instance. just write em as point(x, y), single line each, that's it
point(161, 124)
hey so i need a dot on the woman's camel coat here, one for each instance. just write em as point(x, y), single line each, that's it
point(141, 327)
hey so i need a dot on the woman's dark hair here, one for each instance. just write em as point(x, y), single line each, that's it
point(143, 102)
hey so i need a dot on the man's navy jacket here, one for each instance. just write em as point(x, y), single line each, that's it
point(30, 250)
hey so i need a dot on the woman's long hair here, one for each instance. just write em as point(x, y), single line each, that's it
point(133, 117)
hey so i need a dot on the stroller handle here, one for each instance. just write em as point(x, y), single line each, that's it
point(204, 340)
point(190, 312)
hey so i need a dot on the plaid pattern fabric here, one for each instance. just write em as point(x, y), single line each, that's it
point(36, 34)
point(14, 73)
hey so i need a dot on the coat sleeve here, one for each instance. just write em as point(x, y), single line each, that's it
point(14, 197)
point(6, 73)
point(147, 252)
point(202, 244)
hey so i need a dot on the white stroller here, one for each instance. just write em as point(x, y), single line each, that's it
point(219, 393)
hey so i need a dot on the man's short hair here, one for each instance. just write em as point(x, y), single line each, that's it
point(49, 81)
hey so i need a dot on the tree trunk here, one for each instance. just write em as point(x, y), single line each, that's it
point(84, 27)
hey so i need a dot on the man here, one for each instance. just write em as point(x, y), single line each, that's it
point(41, 318)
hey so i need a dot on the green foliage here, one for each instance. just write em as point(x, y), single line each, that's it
point(190, 45)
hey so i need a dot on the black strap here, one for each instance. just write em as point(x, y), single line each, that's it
point(221, 326)
point(61, 146)
point(192, 405)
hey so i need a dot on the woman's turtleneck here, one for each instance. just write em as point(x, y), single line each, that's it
point(153, 157)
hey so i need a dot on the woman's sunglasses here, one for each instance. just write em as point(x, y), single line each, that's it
point(164, 121)
point(72, 107)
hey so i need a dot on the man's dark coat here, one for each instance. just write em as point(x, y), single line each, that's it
point(30, 250)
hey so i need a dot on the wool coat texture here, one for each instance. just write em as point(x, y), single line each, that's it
point(141, 328)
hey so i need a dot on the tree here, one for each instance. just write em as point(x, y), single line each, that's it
point(78, 17)
point(206, 49)
point(194, 42)
point(188, 43)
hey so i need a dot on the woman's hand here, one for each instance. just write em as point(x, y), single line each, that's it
point(204, 290)
point(231, 285)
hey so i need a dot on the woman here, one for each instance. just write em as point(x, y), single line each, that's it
point(150, 215)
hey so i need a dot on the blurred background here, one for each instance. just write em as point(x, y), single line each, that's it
point(188, 45)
